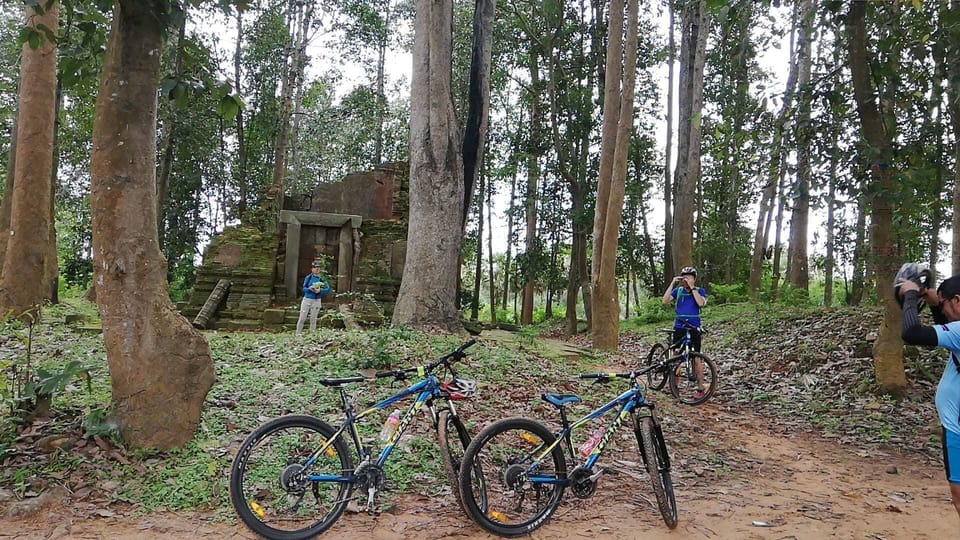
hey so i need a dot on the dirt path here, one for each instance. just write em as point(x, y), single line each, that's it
point(761, 485)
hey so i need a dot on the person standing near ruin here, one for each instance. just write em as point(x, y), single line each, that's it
point(314, 289)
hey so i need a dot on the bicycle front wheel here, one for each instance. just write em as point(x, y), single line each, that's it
point(275, 488)
point(454, 439)
point(656, 378)
point(522, 482)
point(694, 380)
point(653, 449)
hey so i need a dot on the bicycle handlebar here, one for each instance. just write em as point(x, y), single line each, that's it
point(689, 326)
point(454, 355)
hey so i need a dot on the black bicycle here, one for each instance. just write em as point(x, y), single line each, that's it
point(515, 470)
point(692, 375)
point(293, 476)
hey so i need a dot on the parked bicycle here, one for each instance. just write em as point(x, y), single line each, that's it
point(692, 375)
point(515, 471)
point(293, 476)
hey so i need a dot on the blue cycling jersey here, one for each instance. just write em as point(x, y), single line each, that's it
point(948, 391)
point(687, 308)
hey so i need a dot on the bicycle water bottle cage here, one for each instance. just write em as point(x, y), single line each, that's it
point(559, 400)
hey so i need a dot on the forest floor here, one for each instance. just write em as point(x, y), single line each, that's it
point(776, 486)
point(784, 450)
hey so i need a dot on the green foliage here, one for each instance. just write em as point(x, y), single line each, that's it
point(653, 310)
point(26, 386)
point(724, 294)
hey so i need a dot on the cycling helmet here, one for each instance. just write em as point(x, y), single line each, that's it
point(917, 273)
point(688, 271)
point(459, 388)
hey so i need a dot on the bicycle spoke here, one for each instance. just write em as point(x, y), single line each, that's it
point(270, 484)
point(518, 492)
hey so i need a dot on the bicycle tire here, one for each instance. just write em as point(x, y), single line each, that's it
point(653, 449)
point(452, 450)
point(657, 378)
point(684, 384)
point(263, 473)
point(500, 452)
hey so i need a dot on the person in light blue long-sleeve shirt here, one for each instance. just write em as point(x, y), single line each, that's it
point(314, 288)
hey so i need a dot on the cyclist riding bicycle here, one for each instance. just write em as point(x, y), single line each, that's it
point(690, 299)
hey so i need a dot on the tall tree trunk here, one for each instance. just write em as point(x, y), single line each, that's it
point(6, 202)
point(952, 61)
point(478, 110)
point(493, 277)
point(533, 180)
point(166, 137)
point(507, 265)
point(668, 269)
point(578, 277)
point(777, 244)
point(478, 266)
point(830, 260)
point(606, 226)
point(22, 287)
point(859, 249)
point(888, 348)
point(160, 366)
point(381, 93)
point(692, 59)
point(798, 275)
point(51, 270)
point(428, 294)
point(300, 17)
point(240, 175)
point(833, 157)
point(775, 177)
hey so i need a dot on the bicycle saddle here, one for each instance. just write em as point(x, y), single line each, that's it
point(560, 400)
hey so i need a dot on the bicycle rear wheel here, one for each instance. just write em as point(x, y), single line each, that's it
point(454, 439)
point(653, 449)
point(274, 490)
point(656, 378)
point(687, 385)
point(522, 483)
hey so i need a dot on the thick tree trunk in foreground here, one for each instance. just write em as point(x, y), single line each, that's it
point(888, 348)
point(160, 367)
point(618, 111)
point(427, 297)
point(687, 176)
point(797, 273)
point(26, 264)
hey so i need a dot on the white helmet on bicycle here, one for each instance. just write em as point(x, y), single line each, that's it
point(460, 388)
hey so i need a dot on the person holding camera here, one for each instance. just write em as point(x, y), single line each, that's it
point(911, 287)
point(314, 288)
point(690, 299)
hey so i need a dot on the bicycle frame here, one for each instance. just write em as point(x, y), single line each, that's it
point(426, 390)
point(629, 401)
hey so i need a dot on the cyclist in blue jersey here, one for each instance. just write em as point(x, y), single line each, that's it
point(690, 299)
point(945, 305)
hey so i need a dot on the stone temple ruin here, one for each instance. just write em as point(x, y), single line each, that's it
point(357, 225)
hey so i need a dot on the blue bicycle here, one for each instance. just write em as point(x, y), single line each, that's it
point(515, 471)
point(293, 476)
point(691, 374)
